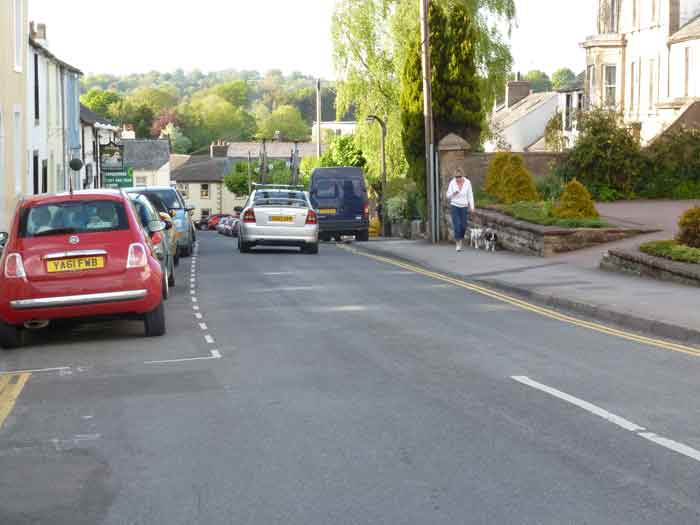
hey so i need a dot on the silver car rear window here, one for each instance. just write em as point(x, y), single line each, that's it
point(290, 199)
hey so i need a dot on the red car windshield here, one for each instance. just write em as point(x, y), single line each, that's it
point(73, 217)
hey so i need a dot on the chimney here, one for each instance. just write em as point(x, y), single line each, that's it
point(218, 149)
point(517, 90)
point(37, 32)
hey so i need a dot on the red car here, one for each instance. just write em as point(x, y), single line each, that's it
point(214, 220)
point(79, 255)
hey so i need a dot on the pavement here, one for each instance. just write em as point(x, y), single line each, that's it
point(337, 388)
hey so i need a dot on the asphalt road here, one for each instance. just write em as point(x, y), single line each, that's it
point(338, 389)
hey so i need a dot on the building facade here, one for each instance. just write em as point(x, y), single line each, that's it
point(644, 61)
point(13, 102)
point(95, 131)
point(149, 161)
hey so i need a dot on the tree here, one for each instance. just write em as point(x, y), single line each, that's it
point(235, 92)
point(237, 180)
point(285, 120)
point(539, 80)
point(343, 152)
point(157, 99)
point(455, 85)
point(159, 124)
point(99, 101)
point(562, 78)
point(179, 143)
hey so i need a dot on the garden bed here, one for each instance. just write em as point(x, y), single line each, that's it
point(644, 265)
point(544, 241)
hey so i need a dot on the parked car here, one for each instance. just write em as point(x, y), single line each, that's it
point(340, 196)
point(162, 247)
point(278, 216)
point(3, 240)
point(221, 227)
point(166, 215)
point(75, 256)
point(202, 224)
point(182, 219)
point(215, 219)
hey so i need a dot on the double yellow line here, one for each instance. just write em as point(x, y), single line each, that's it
point(11, 386)
point(524, 305)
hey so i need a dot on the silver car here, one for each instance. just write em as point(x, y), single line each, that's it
point(278, 216)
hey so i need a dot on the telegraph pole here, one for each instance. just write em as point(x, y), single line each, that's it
point(428, 114)
point(318, 117)
point(250, 182)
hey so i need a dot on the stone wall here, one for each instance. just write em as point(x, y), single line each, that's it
point(643, 265)
point(543, 241)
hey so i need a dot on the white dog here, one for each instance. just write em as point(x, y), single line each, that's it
point(475, 237)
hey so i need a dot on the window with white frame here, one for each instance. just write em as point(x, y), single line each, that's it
point(614, 16)
point(184, 190)
point(204, 191)
point(610, 91)
point(568, 111)
point(19, 31)
point(591, 83)
point(632, 85)
point(206, 212)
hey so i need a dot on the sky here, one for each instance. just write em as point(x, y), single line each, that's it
point(135, 36)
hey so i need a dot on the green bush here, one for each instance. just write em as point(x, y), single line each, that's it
point(672, 250)
point(689, 228)
point(672, 168)
point(495, 173)
point(550, 187)
point(606, 158)
point(575, 203)
point(518, 184)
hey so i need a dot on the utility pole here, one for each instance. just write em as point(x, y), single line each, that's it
point(295, 164)
point(263, 167)
point(318, 117)
point(428, 114)
point(250, 182)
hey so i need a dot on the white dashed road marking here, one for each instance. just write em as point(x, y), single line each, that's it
point(209, 339)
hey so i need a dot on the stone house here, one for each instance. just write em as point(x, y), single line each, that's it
point(53, 117)
point(644, 61)
point(200, 180)
point(519, 123)
point(13, 102)
point(149, 160)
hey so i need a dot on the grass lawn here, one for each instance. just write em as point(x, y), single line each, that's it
point(672, 250)
point(541, 213)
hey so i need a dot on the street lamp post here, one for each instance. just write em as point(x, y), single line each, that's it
point(431, 183)
point(382, 204)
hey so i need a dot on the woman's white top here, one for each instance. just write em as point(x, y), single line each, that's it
point(464, 197)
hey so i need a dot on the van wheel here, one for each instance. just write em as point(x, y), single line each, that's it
point(154, 322)
point(363, 236)
point(10, 336)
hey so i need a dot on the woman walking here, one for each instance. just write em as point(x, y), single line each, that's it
point(461, 197)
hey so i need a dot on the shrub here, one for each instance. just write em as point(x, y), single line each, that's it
point(550, 187)
point(575, 203)
point(672, 250)
point(495, 173)
point(672, 169)
point(541, 213)
point(606, 156)
point(518, 184)
point(689, 228)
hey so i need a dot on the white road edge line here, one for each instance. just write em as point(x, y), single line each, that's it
point(36, 370)
point(214, 354)
point(590, 407)
point(669, 444)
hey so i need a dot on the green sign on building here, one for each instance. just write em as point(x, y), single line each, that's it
point(119, 179)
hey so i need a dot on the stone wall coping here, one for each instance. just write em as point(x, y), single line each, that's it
point(506, 220)
point(688, 270)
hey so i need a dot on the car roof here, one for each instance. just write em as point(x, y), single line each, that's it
point(52, 198)
point(148, 188)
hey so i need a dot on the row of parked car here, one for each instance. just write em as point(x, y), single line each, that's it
point(91, 255)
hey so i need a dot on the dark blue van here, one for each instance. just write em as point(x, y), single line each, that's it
point(340, 197)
